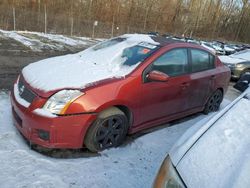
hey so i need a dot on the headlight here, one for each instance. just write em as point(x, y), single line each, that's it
point(229, 65)
point(167, 176)
point(239, 65)
point(59, 102)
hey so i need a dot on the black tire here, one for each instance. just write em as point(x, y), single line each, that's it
point(246, 71)
point(213, 103)
point(109, 130)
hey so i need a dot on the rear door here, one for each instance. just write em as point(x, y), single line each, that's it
point(202, 78)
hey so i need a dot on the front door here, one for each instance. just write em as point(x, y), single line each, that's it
point(161, 99)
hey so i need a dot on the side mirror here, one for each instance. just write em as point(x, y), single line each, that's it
point(157, 76)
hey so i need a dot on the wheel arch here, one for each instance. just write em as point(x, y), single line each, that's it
point(124, 108)
point(127, 112)
point(221, 89)
point(120, 109)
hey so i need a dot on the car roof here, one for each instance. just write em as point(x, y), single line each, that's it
point(169, 41)
point(163, 41)
point(166, 41)
point(192, 135)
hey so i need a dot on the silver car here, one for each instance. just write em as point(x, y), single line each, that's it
point(212, 154)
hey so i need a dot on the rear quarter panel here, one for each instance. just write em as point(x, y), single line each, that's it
point(223, 76)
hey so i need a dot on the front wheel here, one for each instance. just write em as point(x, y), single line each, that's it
point(213, 103)
point(109, 130)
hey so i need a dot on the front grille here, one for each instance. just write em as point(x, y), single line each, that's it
point(24, 92)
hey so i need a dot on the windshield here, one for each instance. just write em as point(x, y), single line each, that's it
point(130, 53)
point(138, 53)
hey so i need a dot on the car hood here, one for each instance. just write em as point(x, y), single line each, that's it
point(82, 69)
point(218, 157)
point(230, 60)
point(244, 54)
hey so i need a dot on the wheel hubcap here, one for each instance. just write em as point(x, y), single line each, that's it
point(110, 132)
point(214, 102)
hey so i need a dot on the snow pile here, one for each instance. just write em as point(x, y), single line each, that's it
point(40, 41)
point(33, 44)
point(81, 69)
point(60, 39)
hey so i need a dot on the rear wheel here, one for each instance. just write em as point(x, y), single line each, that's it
point(109, 130)
point(213, 103)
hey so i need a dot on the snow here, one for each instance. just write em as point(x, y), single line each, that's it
point(191, 135)
point(230, 60)
point(205, 45)
point(60, 39)
point(220, 158)
point(209, 48)
point(229, 49)
point(30, 43)
point(237, 57)
point(39, 42)
point(134, 164)
point(245, 55)
point(84, 68)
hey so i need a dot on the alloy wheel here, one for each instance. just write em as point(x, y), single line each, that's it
point(110, 132)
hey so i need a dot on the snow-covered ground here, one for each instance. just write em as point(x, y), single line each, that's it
point(132, 165)
point(39, 42)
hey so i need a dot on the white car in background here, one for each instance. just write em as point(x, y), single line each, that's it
point(244, 54)
point(212, 154)
point(208, 46)
point(218, 48)
point(229, 49)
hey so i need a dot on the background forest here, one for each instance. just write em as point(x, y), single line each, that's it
point(210, 19)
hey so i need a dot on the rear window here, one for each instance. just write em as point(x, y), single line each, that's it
point(201, 60)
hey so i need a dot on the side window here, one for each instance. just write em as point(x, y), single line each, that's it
point(201, 60)
point(172, 63)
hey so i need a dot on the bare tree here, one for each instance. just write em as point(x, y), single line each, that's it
point(225, 19)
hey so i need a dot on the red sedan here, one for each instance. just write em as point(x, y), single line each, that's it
point(120, 86)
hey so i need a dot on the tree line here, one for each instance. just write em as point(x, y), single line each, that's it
point(210, 19)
